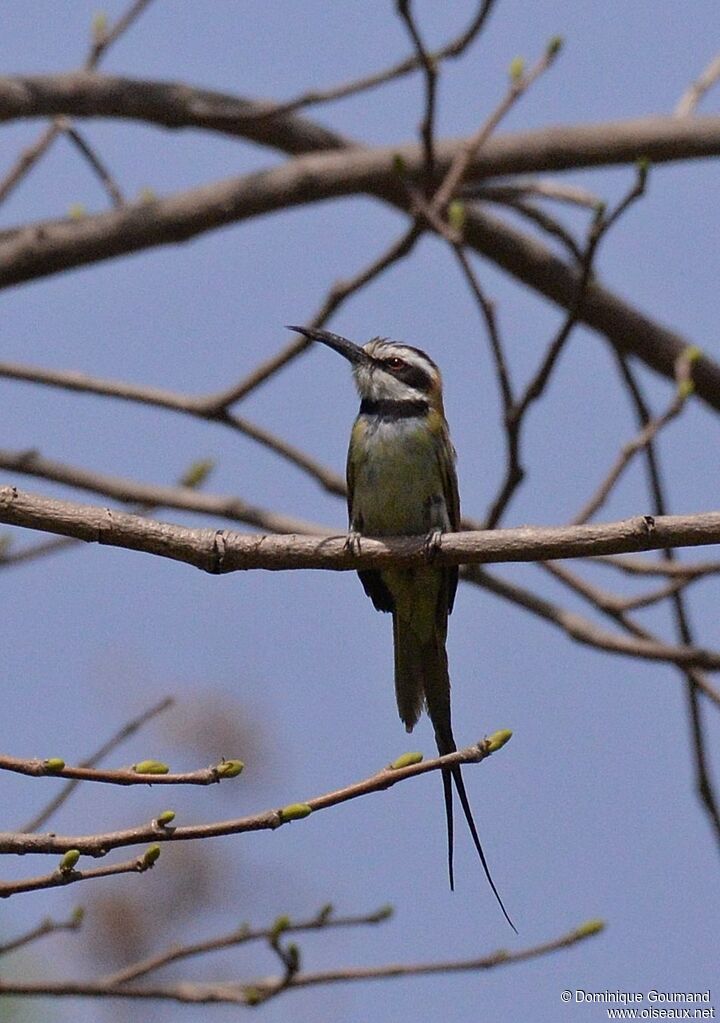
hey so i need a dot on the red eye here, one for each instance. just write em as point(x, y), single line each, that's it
point(395, 363)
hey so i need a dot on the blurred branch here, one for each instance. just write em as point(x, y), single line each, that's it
point(586, 632)
point(323, 920)
point(258, 991)
point(643, 566)
point(45, 927)
point(130, 728)
point(179, 105)
point(695, 92)
point(220, 551)
point(101, 844)
point(234, 509)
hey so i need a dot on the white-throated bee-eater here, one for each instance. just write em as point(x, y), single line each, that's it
point(402, 482)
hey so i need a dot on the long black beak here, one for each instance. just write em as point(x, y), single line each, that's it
point(352, 352)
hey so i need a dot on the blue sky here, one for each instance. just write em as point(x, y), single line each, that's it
point(589, 811)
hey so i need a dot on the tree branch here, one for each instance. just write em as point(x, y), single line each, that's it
point(220, 551)
point(100, 844)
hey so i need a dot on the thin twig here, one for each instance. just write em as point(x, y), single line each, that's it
point(691, 97)
point(694, 679)
point(313, 97)
point(535, 187)
point(106, 179)
point(44, 928)
point(430, 75)
point(137, 775)
point(514, 419)
point(102, 843)
point(30, 156)
point(339, 293)
point(60, 878)
point(323, 920)
point(648, 433)
point(129, 729)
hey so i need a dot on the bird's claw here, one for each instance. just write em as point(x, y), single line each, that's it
point(433, 543)
point(352, 542)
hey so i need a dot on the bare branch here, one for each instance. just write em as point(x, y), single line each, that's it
point(692, 96)
point(235, 993)
point(234, 509)
point(647, 434)
point(323, 920)
point(82, 145)
point(221, 551)
point(583, 631)
point(44, 928)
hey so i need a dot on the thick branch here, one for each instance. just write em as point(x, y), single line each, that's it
point(53, 246)
point(220, 551)
point(177, 105)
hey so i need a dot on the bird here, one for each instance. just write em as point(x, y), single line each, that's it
point(401, 481)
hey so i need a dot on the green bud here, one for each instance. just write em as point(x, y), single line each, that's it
point(196, 474)
point(292, 958)
point(685, 388)
point(643, 168)
point(516, 69)
point(229, 768)
point(77, 210)
point(99, 24)
point(325, 913)
point(295, 812)
point(555, 44)
point(589, 928)
point(151, 855)
point(398, 164)
point(147, 195)
point(406, 760)
point(69, 860)
point(165, 818)
point(599, 210)
point(54, 764)
point(151, 767)
point(692, 353)
point(281, 924)
point(497, 740)
point(253, 995)
point(456, 215)
point(384, 913)
point(78, 915)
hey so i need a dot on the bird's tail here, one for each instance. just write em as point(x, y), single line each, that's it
point(422, 678)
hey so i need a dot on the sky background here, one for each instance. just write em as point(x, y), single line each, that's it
point(589, 811)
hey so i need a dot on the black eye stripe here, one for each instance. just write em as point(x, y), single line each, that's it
point(414, 376)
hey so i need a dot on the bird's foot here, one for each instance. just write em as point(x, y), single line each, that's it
point(352, 542)
point(433, 543)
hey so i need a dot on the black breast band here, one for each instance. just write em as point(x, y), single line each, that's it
point(386, 408)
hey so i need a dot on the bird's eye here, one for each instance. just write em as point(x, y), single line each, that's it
point(395, 363)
